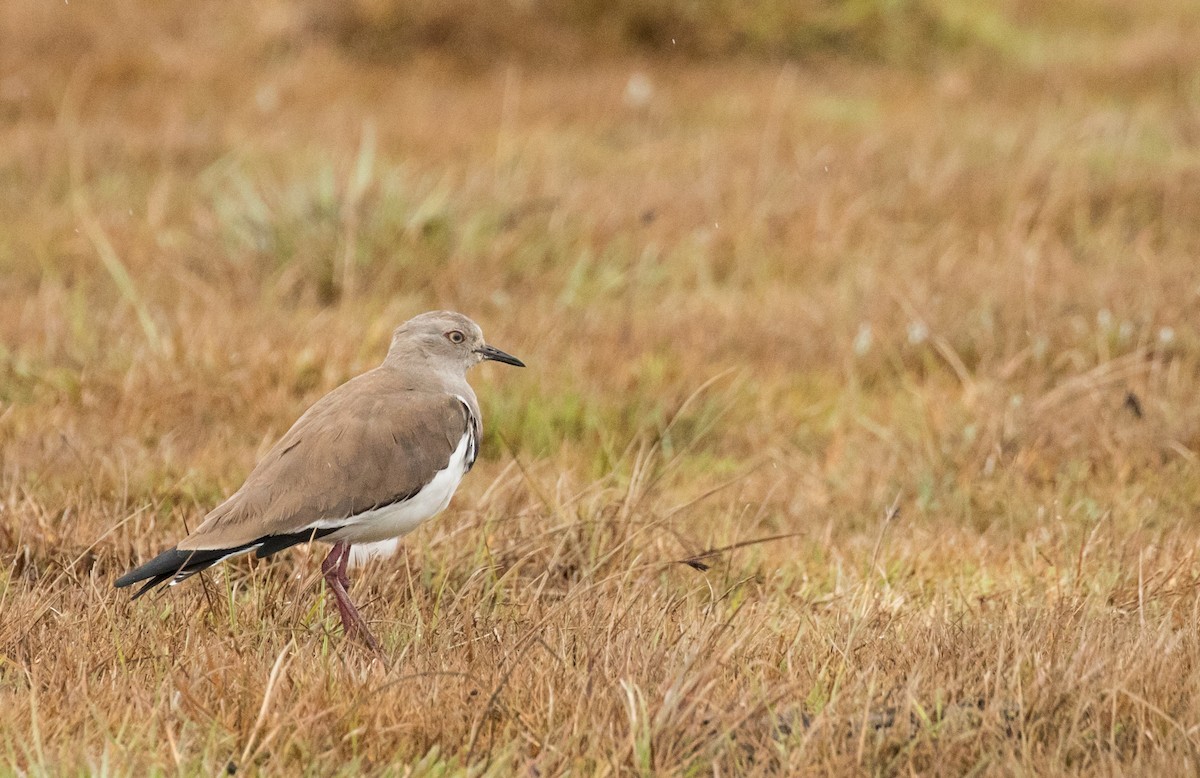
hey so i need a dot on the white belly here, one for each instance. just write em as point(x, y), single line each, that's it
point(361, 553)
point(392, 521)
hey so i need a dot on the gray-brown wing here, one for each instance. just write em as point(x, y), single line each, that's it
point(362, 446)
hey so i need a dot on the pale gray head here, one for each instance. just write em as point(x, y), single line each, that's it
point(447, 339)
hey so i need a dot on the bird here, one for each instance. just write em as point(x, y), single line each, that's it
point(369, 462)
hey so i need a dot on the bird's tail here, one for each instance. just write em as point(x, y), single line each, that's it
point(174, 565)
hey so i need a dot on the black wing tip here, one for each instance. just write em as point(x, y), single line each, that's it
point(152, 584)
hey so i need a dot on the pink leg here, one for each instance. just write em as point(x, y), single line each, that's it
point(334, 570)
point(342, 565)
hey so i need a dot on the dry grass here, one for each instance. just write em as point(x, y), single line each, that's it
point(757, 300)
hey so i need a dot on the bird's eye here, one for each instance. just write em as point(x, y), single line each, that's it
point(455, 336)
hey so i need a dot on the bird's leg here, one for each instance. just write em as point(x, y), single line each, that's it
point(344, 580)
point(329, 569)
point(334, 570)
point(330, 564)
point(341, 570)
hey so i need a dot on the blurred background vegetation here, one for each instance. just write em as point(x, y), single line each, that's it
point(556, 31)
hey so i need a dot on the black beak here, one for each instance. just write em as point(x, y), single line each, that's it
point(495, 354)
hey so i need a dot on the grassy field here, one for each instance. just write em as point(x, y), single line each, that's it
point(893, 338)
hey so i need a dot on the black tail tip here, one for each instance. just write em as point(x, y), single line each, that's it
point(161, 568)
point(128, 579)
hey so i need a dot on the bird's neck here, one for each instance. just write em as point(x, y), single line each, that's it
point(415, 370)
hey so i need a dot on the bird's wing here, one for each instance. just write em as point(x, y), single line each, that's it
point(364, 445)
